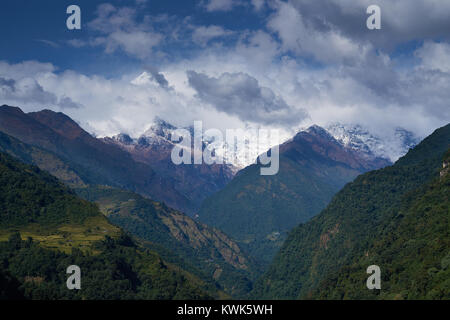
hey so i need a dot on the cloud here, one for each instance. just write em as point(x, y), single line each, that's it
point(203, 34)
point(67, 103)
point(25, 90)
point(258, 4)
point(120, 29)
point(77, 43)
point(402, 20)
point(220, 5)
point(241, 95)
point(137, 43)
point(50, 43)
point(25, 69)
point(435, 56)
point(300, 37)
point(150, 74)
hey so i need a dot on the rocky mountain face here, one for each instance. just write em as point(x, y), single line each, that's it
point(385, 218)
point(194, 181)
point(258, 211)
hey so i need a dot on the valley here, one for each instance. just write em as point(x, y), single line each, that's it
point(225, 234)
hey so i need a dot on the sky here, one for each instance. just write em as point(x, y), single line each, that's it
point(230, 63)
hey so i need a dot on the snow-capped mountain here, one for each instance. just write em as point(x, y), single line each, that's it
point(245, 150)
point(158, 136)
point(392, 145)
point(154, 147)
point(159, 128)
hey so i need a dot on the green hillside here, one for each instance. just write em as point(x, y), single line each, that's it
point(44, 159)
point(202, 250)
point(45, 227)
point(396, 217)
point(413, 252)
point(95, 161)
point(258, 210)
point(217, 261)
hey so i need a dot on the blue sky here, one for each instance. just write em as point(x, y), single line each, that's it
point(36, 30)
point(231, 63)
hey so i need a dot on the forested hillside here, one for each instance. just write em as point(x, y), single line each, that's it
point(396, 217)
point(203, 250)
point(45, 227)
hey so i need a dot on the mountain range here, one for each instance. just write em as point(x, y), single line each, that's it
point(147, 169)
point(204, 251)
point(154, 146)
point(391, 146)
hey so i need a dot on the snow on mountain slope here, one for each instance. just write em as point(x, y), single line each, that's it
point(392, 145)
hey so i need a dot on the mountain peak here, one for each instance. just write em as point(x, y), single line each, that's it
point(123, 138)
point(159, 127)
point(59, 122)
point(6, 108)
point(315, 131)
point(318, 131)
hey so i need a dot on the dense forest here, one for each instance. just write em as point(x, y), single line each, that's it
point(396, 217)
